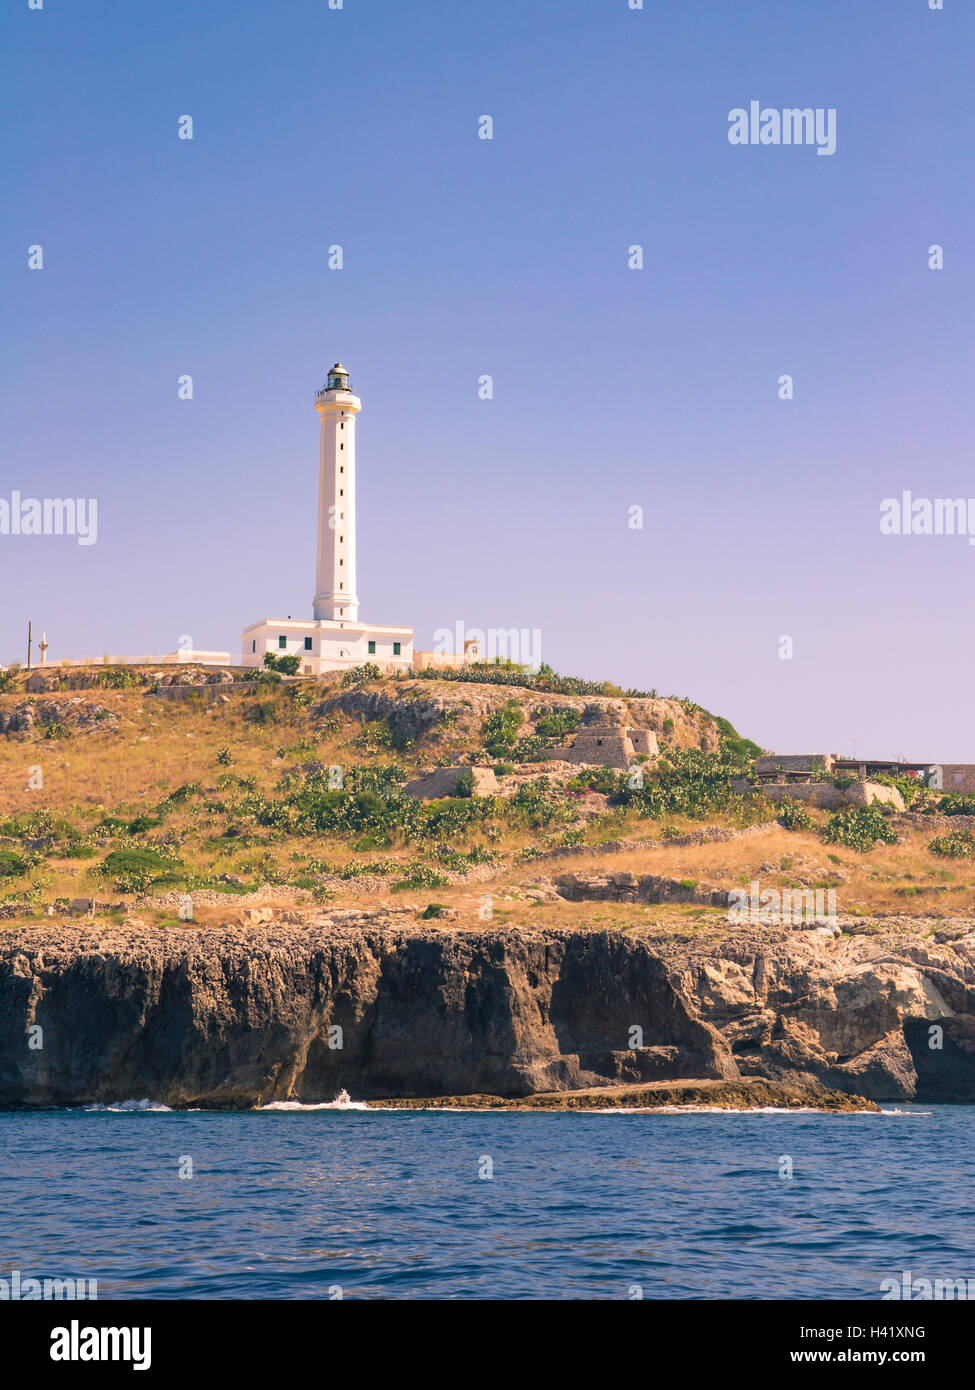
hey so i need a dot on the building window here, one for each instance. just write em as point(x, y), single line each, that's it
point(307, 670)
point(396, 649)
point(254, 645)
point(307, 644)
point(282, 643)
point(341, 562)
point(341, 446)
point(372, 649)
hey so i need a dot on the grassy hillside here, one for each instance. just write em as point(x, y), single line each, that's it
point(291, 792)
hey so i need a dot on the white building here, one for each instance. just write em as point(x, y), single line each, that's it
point(334, 638)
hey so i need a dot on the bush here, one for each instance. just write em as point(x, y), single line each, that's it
point(953, 805)
point(501, 729)
point(432, 910)
point(861, 828)
point(361, 868)
point(558, 724)
point(360, 675)
point(960, 844)
point(143, 823)
point(120, 678)
point(422, 876)
point(11, 864)
point(224, 757)
point(464, 786)
point(135, 870)
point(793, 815)
point(530, 749)
point(594, 779)
point(686, 782)
point(288, 665)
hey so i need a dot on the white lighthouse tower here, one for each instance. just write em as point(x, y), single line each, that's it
point(333, 639)
point(335, 592)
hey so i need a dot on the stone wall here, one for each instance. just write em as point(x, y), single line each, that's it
point(442, 781)
point(830, 798)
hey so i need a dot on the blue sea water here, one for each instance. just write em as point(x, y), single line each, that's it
point(379, 1204)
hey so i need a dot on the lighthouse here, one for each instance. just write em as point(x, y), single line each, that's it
point(333, 639)
point(335, 591)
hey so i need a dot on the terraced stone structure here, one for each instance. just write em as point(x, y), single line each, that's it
point(605, 740)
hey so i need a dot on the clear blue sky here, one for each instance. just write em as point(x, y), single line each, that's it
point(613, 387)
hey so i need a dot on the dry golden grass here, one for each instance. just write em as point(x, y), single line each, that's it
point(157, 745)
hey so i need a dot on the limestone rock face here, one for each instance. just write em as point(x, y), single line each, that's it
point(72, 712)
point(292, 1009)
point(236, 1018)
point(413, 708)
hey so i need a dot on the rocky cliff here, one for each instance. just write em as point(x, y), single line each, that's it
point(238, 1016)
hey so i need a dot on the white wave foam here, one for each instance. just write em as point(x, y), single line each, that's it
point(343, 1101)
point(131, 1106)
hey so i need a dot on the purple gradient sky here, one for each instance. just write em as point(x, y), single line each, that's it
point(463, 257)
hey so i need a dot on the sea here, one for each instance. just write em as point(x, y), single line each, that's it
point(339, 1201)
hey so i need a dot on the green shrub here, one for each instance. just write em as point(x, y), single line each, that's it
point(360, 675)
point(374, 736)
point(119, 678)
point(432, 910)
point(685, 782)
point(915, 791)
point(959, 844)
point(361, 868)
point(530, 749)
point(134, 870)
point(501, 729)
point(464, 786)
point(793, 815)
point(422, 876)
point(860, 828)
point(224, 757)
point(594, 779)
point(558, 724)
point(503, 769)
point(954, 805)
point(288, 665)
point(143, 823)
point(11, 864)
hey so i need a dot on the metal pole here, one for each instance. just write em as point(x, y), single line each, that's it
point(29, 643)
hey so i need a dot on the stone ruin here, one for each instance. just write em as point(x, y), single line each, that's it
point(605, 740)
